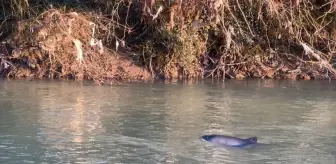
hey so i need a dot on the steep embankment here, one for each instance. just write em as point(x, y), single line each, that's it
point(138, 40)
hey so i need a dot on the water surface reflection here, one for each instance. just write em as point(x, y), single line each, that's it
point(63, 122)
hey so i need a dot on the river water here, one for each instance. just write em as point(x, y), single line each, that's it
point(67, 122)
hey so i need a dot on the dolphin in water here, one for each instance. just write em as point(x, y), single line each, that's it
point(223, 140)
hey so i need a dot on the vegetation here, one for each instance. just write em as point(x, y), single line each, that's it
point(141, 39)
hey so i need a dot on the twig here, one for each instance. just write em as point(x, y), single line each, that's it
point(245, 18)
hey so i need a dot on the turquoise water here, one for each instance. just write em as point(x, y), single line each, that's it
point(67, 122)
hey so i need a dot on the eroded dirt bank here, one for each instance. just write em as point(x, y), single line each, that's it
point(140, 40)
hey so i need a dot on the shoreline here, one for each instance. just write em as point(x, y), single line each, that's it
point(166, 81)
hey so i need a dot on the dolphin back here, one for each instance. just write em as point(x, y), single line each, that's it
point(230, 141)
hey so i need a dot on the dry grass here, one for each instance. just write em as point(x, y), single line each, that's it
point(271, 38)
point(235, 39)
point(65, 45)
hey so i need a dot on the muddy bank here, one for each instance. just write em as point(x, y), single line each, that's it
point(64, 45)
point(142, 40)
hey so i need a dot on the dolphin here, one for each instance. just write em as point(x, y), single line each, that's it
point(223, 140)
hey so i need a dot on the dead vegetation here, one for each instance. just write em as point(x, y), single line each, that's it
point(274, 39)
point(241, 39)
point(60, 44)
point(101, 40)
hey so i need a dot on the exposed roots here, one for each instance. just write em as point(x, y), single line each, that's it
point(64, 45)
point(175, 39)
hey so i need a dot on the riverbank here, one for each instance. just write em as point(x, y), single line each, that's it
point(140, 40)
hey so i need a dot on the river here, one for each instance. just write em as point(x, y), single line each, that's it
point(68, 122)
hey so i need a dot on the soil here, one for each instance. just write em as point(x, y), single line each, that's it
point(74, 45)
point(63, 45)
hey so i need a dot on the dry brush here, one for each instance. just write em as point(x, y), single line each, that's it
point(176, 39)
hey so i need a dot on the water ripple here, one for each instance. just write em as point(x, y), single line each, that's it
point(154, 123)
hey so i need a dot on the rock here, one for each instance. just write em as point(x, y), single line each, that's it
point(305, 76)
point(240, 76)
point(290, 76)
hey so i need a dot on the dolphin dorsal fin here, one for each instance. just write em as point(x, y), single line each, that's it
point(252, 139)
